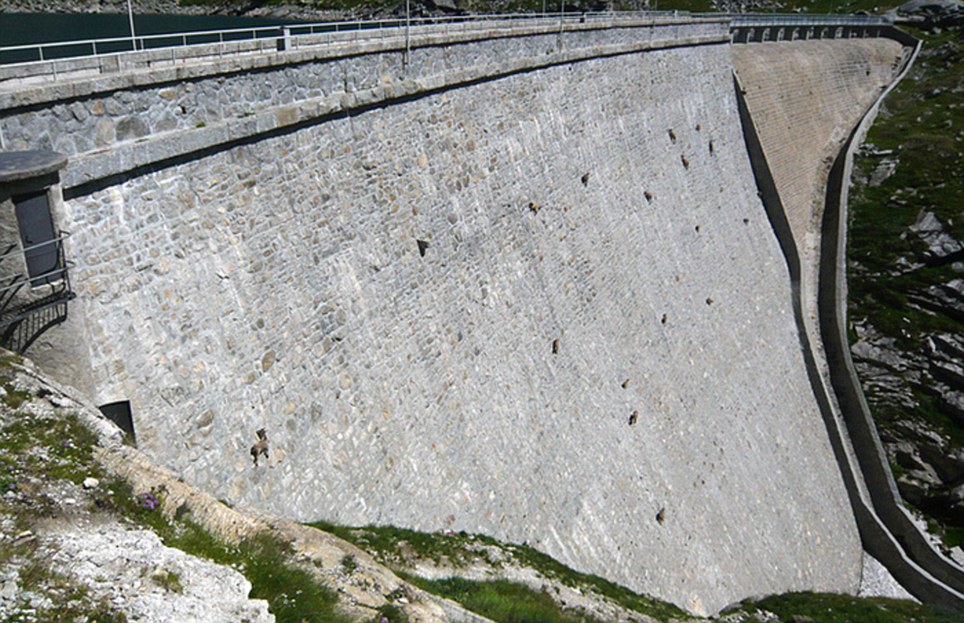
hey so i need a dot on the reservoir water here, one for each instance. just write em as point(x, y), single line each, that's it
point(32, 28)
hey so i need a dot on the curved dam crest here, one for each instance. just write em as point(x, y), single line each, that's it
point(445, 306)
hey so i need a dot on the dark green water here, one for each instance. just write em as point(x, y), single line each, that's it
point(32, 28)
point(26, 28)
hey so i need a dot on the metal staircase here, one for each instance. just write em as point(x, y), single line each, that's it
point(30, 305)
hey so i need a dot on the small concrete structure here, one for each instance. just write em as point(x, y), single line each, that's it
point(18, 166)
point(34, 284)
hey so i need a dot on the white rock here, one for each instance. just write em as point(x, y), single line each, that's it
point(9, 590)
point(113, 562)
point(876, 581)
point(91, 483)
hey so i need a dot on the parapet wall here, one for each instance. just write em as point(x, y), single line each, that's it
point(444, 297)
point(198, 100)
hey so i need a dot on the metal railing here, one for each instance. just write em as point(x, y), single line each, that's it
point(760, 20)
point(40, 52)
point(781, 27)
point(288, 36)
point(16, 281)
point(25, 318)
point(361, 29)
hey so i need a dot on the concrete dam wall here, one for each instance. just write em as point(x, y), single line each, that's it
point(519, 284)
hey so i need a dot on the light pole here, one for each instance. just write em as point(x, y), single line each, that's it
point(130, 19)
point(408, 23)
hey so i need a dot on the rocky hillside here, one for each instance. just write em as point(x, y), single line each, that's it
point(90, 530)
point(907, 277)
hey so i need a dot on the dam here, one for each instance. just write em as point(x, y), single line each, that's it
point(522, 279)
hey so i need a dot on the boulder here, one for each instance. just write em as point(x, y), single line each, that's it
point(940, 244)
point(915, 486)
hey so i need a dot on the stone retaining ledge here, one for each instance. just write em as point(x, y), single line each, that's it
point(134, 154)
point(95, 74)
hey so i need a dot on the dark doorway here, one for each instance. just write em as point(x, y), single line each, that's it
point(38, 236)
point(120, 413)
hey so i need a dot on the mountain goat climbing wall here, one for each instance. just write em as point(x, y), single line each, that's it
point(545, 305)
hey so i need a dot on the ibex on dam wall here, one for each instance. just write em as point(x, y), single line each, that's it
point(260, 447)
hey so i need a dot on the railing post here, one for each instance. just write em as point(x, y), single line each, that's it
point(408, 37)
point(284, 42)
point(130, 17)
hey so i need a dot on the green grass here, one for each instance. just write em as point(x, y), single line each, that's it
point(534, 6)
point(70, 602)
point(501, 601)
point(832, 608)
point(399, 549)
point(168, 580)
point(389, 544)
point(695, 6)
point(838, 6)
point(292, 593)
point(921, 121)
point(472, 6)
point(34, 449)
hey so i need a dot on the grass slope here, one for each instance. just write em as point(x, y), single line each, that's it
point(41, 446)
point(401, 550)
point(830, 608)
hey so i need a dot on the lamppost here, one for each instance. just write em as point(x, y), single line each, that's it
point(130, 19)
point(408, 23)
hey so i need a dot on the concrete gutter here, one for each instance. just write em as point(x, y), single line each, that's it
point(898, 543)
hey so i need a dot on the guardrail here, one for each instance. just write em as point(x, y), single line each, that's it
point(759, 20)
point(23, 318)
point(368, 29)
point(15, 281)
point(780, 27)
point(26, 64)
point(279, 35)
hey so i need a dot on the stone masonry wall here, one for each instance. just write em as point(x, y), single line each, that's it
point(595, 248)
point(94, 114)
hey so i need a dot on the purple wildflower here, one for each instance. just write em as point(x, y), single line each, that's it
point(149, 501)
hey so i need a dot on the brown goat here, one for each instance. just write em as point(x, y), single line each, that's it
point(261, 447)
